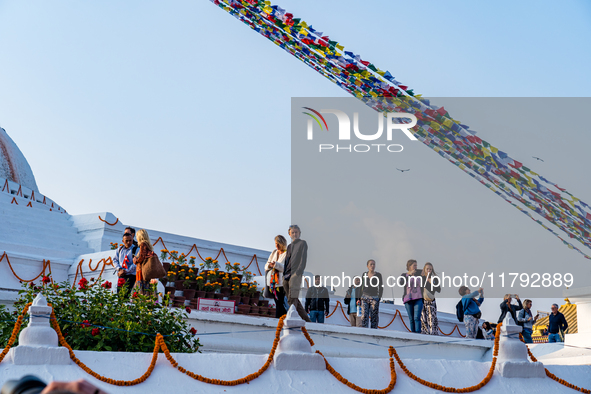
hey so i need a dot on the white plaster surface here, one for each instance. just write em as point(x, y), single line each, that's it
point(368, 373)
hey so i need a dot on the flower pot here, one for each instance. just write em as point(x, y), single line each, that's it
point(263, 310)
point(271, 312)
point(235, 298)
point(169, 290)
point(218, 296)
point(254, 301)
point(254, 310)
point(257, 295)
point(243, 309)
point(189, 294)
point(200, 294)
point(179, 299)
point(264, 303)
point(226, 291)
point(209, 294)
point(194, 285)
point(166, 266)
point(193, 304)
point(179, 285)
point(245, 300)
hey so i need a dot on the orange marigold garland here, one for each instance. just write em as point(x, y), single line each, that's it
point(361, 389)
point(235, 382)
point(305, 332)
point(159, 341)
point(552, 376)
point(470, 389)
point(15, 331)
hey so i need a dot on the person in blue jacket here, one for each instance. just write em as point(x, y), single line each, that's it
point(471, 310)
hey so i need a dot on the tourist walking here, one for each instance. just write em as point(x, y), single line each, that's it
point(525, 317)
point(274, 275)
point(296, 257)
point(123, 260)
point(142, 286)
point(317, 301)
point(471, 309)
point(507, 307)
point(413, 284)
point(556, 323)
point(429, 324)
point(352, 298)
point(372, 287)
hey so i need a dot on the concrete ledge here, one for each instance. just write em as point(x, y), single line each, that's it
point(246, 334)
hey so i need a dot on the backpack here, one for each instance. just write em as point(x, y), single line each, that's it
point(460, 311)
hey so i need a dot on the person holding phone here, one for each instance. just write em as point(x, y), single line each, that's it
point(525, 317)
point(507, 307)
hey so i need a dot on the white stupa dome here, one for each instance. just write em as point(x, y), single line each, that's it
point(13, 165)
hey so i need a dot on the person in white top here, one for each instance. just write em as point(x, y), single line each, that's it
point(274, 275)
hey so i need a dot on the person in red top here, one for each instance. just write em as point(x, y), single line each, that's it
point(146, 250)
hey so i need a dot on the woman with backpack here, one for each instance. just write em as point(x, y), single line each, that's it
point(468, 310)
point(429, 323)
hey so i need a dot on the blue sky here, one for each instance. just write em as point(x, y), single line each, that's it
point(175, 116)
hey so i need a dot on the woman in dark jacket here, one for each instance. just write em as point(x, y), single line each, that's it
point(371, 292)
point(352, 298)
point(506, 306)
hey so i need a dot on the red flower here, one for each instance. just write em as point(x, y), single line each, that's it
point(120, 282)
point(134, 294)
point(94, 332)
point(45, 280)
point(32, 284)
point(85, 323)
point(187, 309)
point(107, 284)
point(193, 330)
point(83, 283)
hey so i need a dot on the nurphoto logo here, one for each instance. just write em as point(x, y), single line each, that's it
point(344, 130)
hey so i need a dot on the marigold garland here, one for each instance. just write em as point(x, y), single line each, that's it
point(15, 331)
point(552, 376)
point(110, 224)
point(236, 382)
point(470, 389)
point(157, 345)
point(305, 332)
point(46, 266)
point(341, 379)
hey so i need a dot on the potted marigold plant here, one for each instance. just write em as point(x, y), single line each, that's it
point(163, 258)
point(208, 263)
point(245, 296)
point(188, 292)
point(200, 281)
point(209, 290)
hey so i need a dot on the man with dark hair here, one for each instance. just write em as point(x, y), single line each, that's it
point(293, 269)
point(317, 301)
point(123, 260)
point(556, 323)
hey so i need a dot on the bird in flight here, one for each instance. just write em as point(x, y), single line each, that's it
point(402, 170)
point(537, 158)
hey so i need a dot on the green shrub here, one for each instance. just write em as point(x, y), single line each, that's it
point(124, 321)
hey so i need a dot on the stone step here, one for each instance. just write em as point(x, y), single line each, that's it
point(10, 222)
point(42, 252)
point(47, 239)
